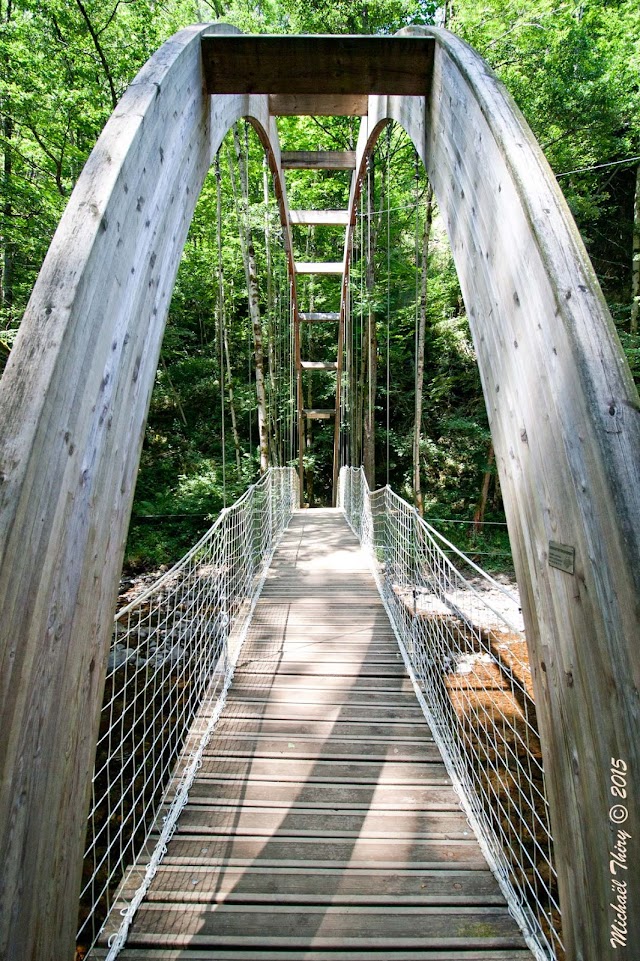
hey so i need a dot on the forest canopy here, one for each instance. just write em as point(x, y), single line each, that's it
point(574, 71)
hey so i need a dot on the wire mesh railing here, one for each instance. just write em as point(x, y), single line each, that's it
point(171, 662)
point(462, 638)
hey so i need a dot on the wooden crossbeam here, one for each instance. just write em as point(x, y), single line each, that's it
point(319, 159)
point(318, 365)
point(321, 318)
point(318, 414)
point(242, 63)
point(330, 217)
point(318, 105)
point(323, 267)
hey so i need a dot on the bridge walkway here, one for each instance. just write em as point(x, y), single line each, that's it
point(322, 824)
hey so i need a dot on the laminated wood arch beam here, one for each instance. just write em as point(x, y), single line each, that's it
point(564, 418)
point(73, 406)
point(565, 422)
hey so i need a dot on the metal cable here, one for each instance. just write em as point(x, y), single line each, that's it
point(173, 652)
point(464, 646)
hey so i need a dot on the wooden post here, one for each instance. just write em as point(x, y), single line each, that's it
point(73, 405)
point(564, 420)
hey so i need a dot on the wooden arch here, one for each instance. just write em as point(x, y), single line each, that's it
point(73, 401)
point(565, 422)
point(73, 406)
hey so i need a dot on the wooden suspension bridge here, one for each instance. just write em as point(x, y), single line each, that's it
point(322, 822)
point(564, 420)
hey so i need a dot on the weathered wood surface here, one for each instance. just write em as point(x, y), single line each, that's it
point(319, 267)
point(317, 414)
point(318, 105)
point(318, 822)
point(318, 159)
point(417, 954)
point(310, 217)
point(564, 417)
point(319, 318)
point(73, 404)
point(317, 65)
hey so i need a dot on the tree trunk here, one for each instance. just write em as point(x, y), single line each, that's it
point(249, 258)
point(422, 326)
point(370, 347)
point(6, 257)
point(478, 517)
point(271, 340)
point(635, 263)
point(6, 264)
point(100, 52)
point(232, 406)
point(369, 455)
point(222, 324)
point(310, 470)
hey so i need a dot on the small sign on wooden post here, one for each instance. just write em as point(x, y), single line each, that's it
point(562, 556)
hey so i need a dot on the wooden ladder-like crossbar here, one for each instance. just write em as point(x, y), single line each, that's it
point(319, 160)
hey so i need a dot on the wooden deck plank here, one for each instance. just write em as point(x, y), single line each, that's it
point(336, 885)
point(396, 797)
point(351, 730)
point(309, 924)
point(417, 954)
point(322, 818)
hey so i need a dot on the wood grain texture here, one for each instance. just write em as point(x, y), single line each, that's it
point(309, 835)
point(318, 105)
point(318, 159)
point(315, 65)
point(318, 414)
point(73, 404)
point(565, 422)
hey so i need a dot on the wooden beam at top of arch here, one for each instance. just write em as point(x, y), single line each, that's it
point(305, 218)
point(318, 159)
point(241, 63)
point(319, 105)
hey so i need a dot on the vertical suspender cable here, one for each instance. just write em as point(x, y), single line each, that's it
point(370, 319)
point(388, 291)
point(361, 345)
point(417, 255)
point(220, 325)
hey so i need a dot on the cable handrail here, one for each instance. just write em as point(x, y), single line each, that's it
point(167, 575)
point(471, 674)
point(173, 655)
point(464, 557)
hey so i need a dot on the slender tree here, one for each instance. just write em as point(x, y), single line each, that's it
point(251, 274)
point(635, 264)
point(420, 341)
point(226, 361)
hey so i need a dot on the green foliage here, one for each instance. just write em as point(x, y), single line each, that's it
point(573, 70)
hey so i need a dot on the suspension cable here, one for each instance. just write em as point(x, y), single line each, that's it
point(388, 295)
point(220, 325)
